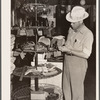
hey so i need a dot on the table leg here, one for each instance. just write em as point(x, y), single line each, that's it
point(36, 84)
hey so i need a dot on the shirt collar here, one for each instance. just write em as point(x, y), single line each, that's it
point(81, 28)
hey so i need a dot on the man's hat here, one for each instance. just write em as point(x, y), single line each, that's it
point(78, 13)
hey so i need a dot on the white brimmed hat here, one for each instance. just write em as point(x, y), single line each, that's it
point(78, 13)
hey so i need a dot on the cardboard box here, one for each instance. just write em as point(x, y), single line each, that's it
point(38, 95)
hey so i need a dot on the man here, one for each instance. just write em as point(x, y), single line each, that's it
point(77, 50)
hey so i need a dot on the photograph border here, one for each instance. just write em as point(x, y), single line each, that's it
point(5, 49)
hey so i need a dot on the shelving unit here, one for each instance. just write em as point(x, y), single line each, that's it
point(21, 71)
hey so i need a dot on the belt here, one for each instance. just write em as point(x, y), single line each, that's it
point(69, 54)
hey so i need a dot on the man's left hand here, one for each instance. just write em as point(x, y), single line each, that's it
point(64, 49)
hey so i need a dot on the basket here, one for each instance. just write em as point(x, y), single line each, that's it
point(24, 92)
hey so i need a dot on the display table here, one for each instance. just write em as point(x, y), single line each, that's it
point(35, 94)
point(57, 80)
point(19, 72)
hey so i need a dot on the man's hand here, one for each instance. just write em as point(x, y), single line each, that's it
point(64, 49)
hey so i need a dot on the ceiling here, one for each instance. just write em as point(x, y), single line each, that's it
point(52, 2)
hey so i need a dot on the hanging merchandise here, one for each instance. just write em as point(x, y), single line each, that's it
point(30, 32)
point(31, 8)
point(22, 32)
point(20, 22)
point(40, 32)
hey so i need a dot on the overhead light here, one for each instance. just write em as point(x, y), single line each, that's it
point(68, 8)
point(44, 16)
point(44, 9)
point(82, 2)
point(62, 11)
point(31, 8)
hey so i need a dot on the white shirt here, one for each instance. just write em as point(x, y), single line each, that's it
point(80, 40)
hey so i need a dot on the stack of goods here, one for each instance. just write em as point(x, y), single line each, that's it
point(50, 92)
point(52, 95)
point(41, 47)
point(57, 41)
point(43, 44)
point(46, 92)
point(30, 32)
point(42, 58)
point(40, 95)
point(28, 45)
point(42, 69)
point(22, 32)
point(12, 57)
point(44, 40)
point(25, 32)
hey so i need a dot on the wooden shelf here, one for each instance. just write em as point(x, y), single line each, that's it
point(19, 72)
point(38, 51)
point(30, 27)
